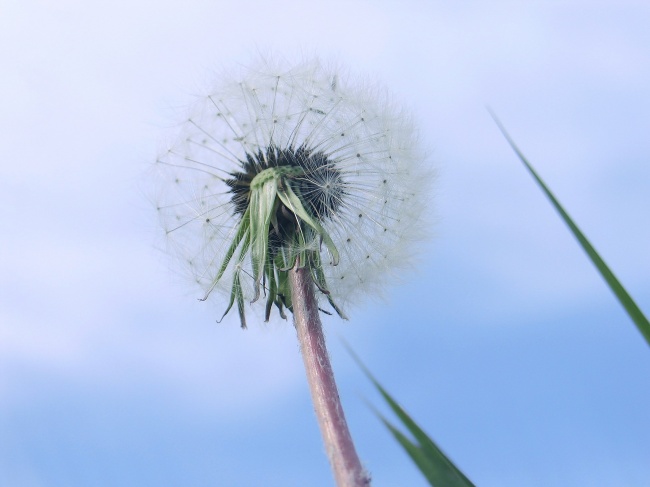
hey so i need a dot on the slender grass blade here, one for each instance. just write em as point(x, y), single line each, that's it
point(439, 470)
point(617, 288)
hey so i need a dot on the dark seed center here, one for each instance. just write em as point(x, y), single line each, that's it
point(319, 184)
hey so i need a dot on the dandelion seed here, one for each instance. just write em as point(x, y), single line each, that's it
point(284, 167)
point(287, 180)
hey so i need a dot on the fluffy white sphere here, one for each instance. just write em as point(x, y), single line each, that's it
point(363, 176)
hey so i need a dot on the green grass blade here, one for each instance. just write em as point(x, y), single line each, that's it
point(439, 470)
point(428, 469)
point(439, 466)
point(624, 298)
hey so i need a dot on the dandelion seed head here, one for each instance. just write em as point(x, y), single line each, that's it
point(348, 155)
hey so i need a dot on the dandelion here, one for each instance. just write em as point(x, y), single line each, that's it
point(286, 179)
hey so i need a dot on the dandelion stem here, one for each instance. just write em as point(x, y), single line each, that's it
point(343, 457)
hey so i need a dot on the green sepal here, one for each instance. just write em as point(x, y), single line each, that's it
point(242, 231)
point(291, 201)
point(272, 190)
point(263, 204)
point(319, 279)
point(273, 289)
point(284, 293)
point(236, 292)
point(240, 300)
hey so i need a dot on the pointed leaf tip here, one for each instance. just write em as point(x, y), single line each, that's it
point(630, 306)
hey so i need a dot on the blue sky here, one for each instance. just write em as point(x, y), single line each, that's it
point(505, 344)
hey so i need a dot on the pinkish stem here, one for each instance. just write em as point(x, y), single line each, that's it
point(343, 457)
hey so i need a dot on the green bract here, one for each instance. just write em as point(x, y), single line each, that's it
point(271, 192)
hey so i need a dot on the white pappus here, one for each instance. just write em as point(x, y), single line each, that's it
point(282, 166)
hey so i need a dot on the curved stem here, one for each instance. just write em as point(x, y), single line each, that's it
point(343, 457)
